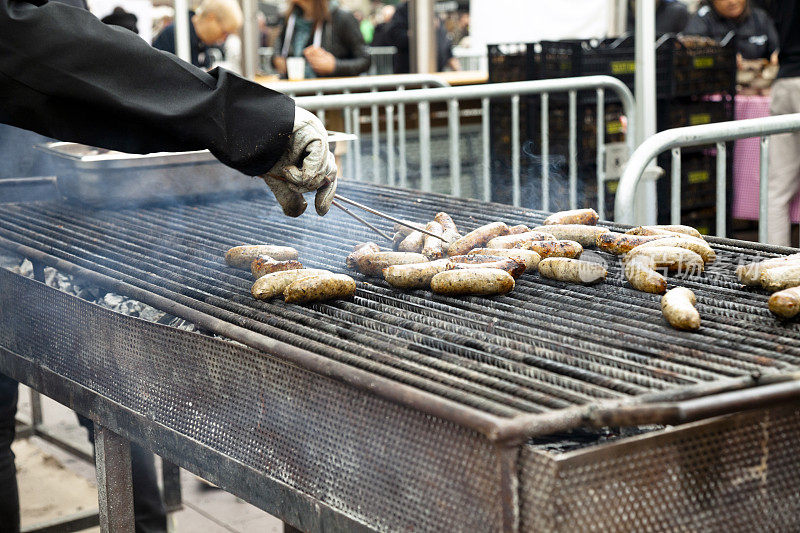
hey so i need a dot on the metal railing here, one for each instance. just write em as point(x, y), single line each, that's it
point(423, 98)
point(718, 133)
point(324, 86)
point(382, 59)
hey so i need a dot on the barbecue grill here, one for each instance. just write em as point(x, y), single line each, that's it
point(406, 410)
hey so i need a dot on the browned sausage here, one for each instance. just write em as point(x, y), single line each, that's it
point(588, 217)
point(242, 256)
point(372, 264)
point(519, 240)
point(640, 274)
point(413, 243)
point(665, 229)
point(620, 243)
point(414, 276)
point(519, 228)
point(449, 230)
point(433, 247)
point(782, 277)
point(478, 238)
point(319, 288)
point(785, 303)
point(405, 230)
point(585, 235)
point(274, 284)
point(528, 257)
point(572, 270)
point(570, 249)
point(513, 267)
point(674, 258)
point(264, 265)
point(698, 246)
point(679, 310)
point(477, 281)
point(750, 274)
point(359, 251)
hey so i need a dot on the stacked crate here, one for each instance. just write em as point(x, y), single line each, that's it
point(695, 85)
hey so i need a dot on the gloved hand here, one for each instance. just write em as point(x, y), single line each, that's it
point(307, 165)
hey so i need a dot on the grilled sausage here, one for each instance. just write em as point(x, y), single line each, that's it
point(572, 270)
point(527, 257)
point(264, 265)
point(671, 257)
point(750, 274)
point(414, 276)
point(373, 264)
point(477, 281)
point(359, 251)
point(519, 240)
point(620, 243)
point(449, 230)
point(698, 246)
point(519, 228)
point(587, 217)
point(477, 238)
point(785, 303)
point(508, 264)
point(666, 229)
point(679, 310)
point(319, 288)
point(405, 230)
point(585, 235)
point(275, 283)
point(433, 247)
point(640, 274)
point(242, 256)
point(782, 277)
point(397, 239)
point(413, 243)
point(570, 249)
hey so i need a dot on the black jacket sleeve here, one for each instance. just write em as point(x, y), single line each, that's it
point(345, 27)
point(65, 74)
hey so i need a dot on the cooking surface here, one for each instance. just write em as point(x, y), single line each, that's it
point(544, 346)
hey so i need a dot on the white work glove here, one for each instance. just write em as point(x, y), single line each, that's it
point(306, 165)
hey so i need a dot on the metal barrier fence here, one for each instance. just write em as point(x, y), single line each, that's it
point(382, 59)
point(333, 86)
point(718, 133)
point(423, 98)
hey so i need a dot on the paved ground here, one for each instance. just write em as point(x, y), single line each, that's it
point(53, 483)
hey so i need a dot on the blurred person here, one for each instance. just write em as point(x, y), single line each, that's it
point(209, 27)
point(754, 30)
point(784, 149)
point(326, 36)
point(123, 19)
point(380, 37)
point(149, 102)
point(397, 35)
point(671, 16)
point(365, 25)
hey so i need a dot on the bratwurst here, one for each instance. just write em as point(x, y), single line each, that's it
point(264, 265)
point(372, 264)
point(273, 284)
point(572, 270)
point(478, 238)
point(511, 266)
point(679, 310)
point(414, 276)
point(320, 288)
point(476, 281)
point(588, 217)
point(585, 235)
point(242, 256)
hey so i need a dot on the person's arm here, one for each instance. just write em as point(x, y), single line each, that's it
point(65, 74)
point(278, 61)
point(353, 40)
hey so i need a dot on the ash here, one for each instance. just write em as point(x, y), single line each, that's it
point(77, 287)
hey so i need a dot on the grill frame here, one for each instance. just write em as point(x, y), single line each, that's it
point(501, 439)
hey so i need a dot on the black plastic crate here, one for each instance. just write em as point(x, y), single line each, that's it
point(694, 111)
point(698, 186)
point(510, 62)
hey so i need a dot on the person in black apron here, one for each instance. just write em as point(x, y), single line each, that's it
point(66, 75)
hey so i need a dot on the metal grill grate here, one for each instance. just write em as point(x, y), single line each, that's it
point(543, 347)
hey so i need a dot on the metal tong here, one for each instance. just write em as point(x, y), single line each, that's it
point(380, 214)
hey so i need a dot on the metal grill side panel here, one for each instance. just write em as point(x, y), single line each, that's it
point(734, 473)
point(379, 463)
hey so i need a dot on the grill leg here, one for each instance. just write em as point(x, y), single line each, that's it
point(114, 490)
point(173, 501)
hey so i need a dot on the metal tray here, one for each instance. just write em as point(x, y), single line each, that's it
point(101, 177)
